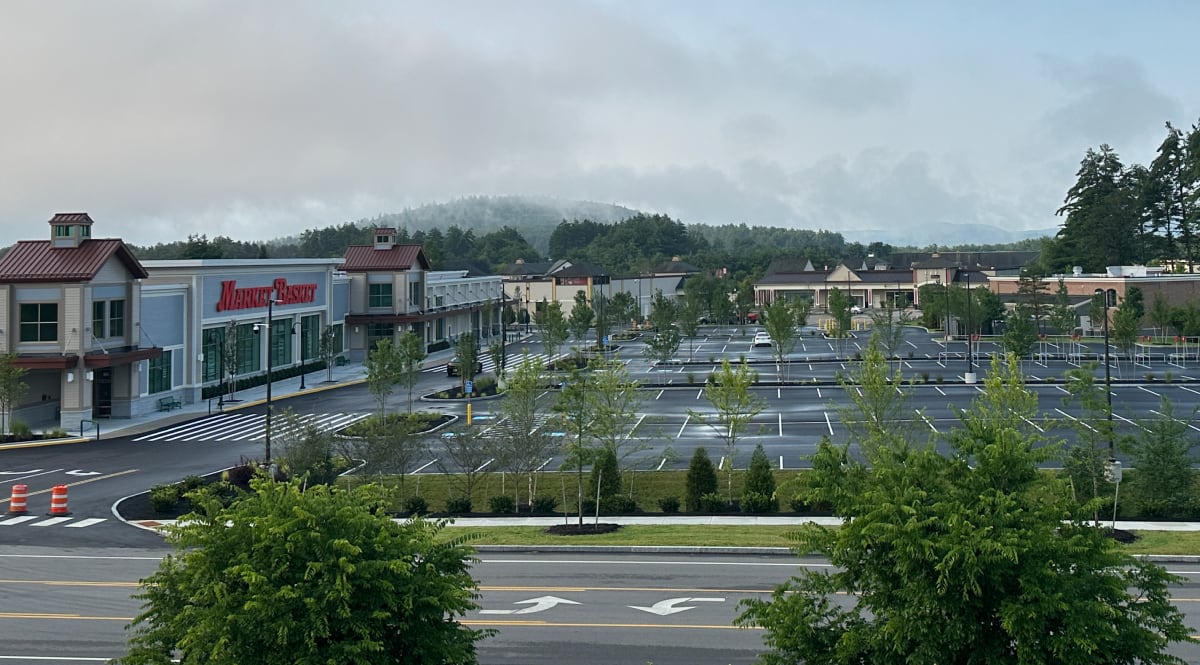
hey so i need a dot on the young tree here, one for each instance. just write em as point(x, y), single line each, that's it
point(581, 320)
point(622, 307)
point(522, 442)
point(306, 450)
point(877, 413)
point(604, 317)
point(1020, 335)
point(327, 350)
point(839, 309)
point(320, 576)
point(743, 299)
point(230, 359)
point(465, 451)
point(730, 392)
point(604, 483)
point(1086, 460)
point(467, 352)
point(701, 479)
point(383, 372)
point(389, 446)
point(688, 317)
point(12, 389)
point(616, 400)
point(1126, 325)
point(963, 557)
point(1063, 316)
point(409, 354)
point(780, 322)
point(574, 403)
point(552, 326)
point(665, 341)
point(1034, 293)
point(1161, 314)
point(887, 329)
point(760, 483)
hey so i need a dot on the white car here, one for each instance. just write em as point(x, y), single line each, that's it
point(762, 339)
point(856, 310)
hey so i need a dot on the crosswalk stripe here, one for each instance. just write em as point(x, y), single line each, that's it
point(88, 522)
point(52, 521)
point(249, 427)
point(511, 361)
point(19, 520)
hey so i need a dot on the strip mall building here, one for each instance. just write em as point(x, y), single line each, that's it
point(103, 335)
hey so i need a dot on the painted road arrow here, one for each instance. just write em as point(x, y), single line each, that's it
point(665, 607)
point(539, 605)
point(77, 472)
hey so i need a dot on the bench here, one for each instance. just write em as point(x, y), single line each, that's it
point(168, 403)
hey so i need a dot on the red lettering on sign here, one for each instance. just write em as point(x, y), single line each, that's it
point(257, 296)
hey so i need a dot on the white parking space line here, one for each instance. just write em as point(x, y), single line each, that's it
point(660, 393)
point(661, 464)
point(1033, 424)
point(927, 420)
point(1064, 390)
point(828, 423)
point(1150, 391)
point(1189, 390)
point(88, 522)
point(943, 392)
point(1176, 420)
point(818, 393)
point(1074, 419)
point(1124, 419)
point(699, 393)
point(781, 424)
point(683, 426)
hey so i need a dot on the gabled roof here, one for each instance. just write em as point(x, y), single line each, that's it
point(365, 258)
point(676, 266)
point(537, 269)
point(781, 265)
point(40, 261)
point(577, 269)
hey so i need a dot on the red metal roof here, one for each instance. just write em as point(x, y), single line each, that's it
point(71, 218)
point(39, 261)
point(365, 258)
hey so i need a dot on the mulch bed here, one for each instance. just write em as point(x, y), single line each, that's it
point(584, 530)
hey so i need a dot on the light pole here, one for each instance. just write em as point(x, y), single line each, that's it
point(937, 279)
point(1107, 377)
point(969, 377)
point(639, 307)
point(503, 330)
point(270, 369)
point(303, 348)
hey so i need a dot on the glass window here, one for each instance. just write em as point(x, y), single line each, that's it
point(249, 350)
point(62, 231)
point(160, 373)
point(213, 344)
point(98, 308)
point(116, 318)
point(85, 231)
point(281, 342)
point(379, 295)
point(310, 336)
point(39, 322)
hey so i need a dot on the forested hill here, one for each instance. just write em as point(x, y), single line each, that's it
point(534, 217)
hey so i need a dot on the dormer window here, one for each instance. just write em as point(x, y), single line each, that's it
point(381, 239)
point(62, 231)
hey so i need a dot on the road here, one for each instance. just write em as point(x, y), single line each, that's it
point(71, 606)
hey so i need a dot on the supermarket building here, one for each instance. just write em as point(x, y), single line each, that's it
point(103, 335)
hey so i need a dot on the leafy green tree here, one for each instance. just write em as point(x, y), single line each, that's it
point(876, 412)
point(887, 329)
point(383, 372)
point(1160, 314)
point(522, 442)
point(12, 388)
point(839, 309)
point(605, 316)
point(933, 305)
point(687, 316)
point(306, 450)
point(1102, 216)
point(1126, 327)
point(321, 576)
point(231, 358)
point(410, 351)
point(615, 402)
point(466, 349)
point(574, 403)
point(605, 479)
point(743, 299)
point(623, 307)
point(701, 479)
point(963, 557)
point(1175, 172)
point(581, 319)
point(1163, 455)
point(779, 319)
point(730, 392)
point(665, 341)
point(759, 479)
point(1034, 293)
point(552, 326)
point(1020, 335)
point(391, 445)
point(1062, 315)
point(465, 452)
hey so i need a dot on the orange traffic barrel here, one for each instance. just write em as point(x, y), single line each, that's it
point(58, 500)
point(16, 505)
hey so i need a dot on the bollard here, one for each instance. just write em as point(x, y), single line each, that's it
point(58, 501)
point(16, 506)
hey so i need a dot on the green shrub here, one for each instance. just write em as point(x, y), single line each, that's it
point(416, 505)
point(484, 384)
point(589, 507)
point(701, 479)
point(459, 505)
point(618, 505)
point(164, 498)
point(190, 483)
point(754, 502)
point(543, 504)
point(20, 430)
point(502, 505)
point(240, 475)
point(798, 505)
point(57, 433)
point(713, 502)
point(669, 504)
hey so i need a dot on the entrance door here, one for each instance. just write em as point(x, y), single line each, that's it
point(102, 393)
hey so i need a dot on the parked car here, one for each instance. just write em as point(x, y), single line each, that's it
point(452, 367)
point(762, 339)
point(856, 310)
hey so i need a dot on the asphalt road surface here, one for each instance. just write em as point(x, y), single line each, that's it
point(71, 606)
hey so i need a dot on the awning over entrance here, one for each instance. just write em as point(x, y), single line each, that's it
point(47, 362)
point(122, 356)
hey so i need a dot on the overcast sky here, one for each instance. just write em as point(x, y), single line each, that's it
point(260, 119)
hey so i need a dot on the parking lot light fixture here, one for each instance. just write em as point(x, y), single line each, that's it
point(1112, 454)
